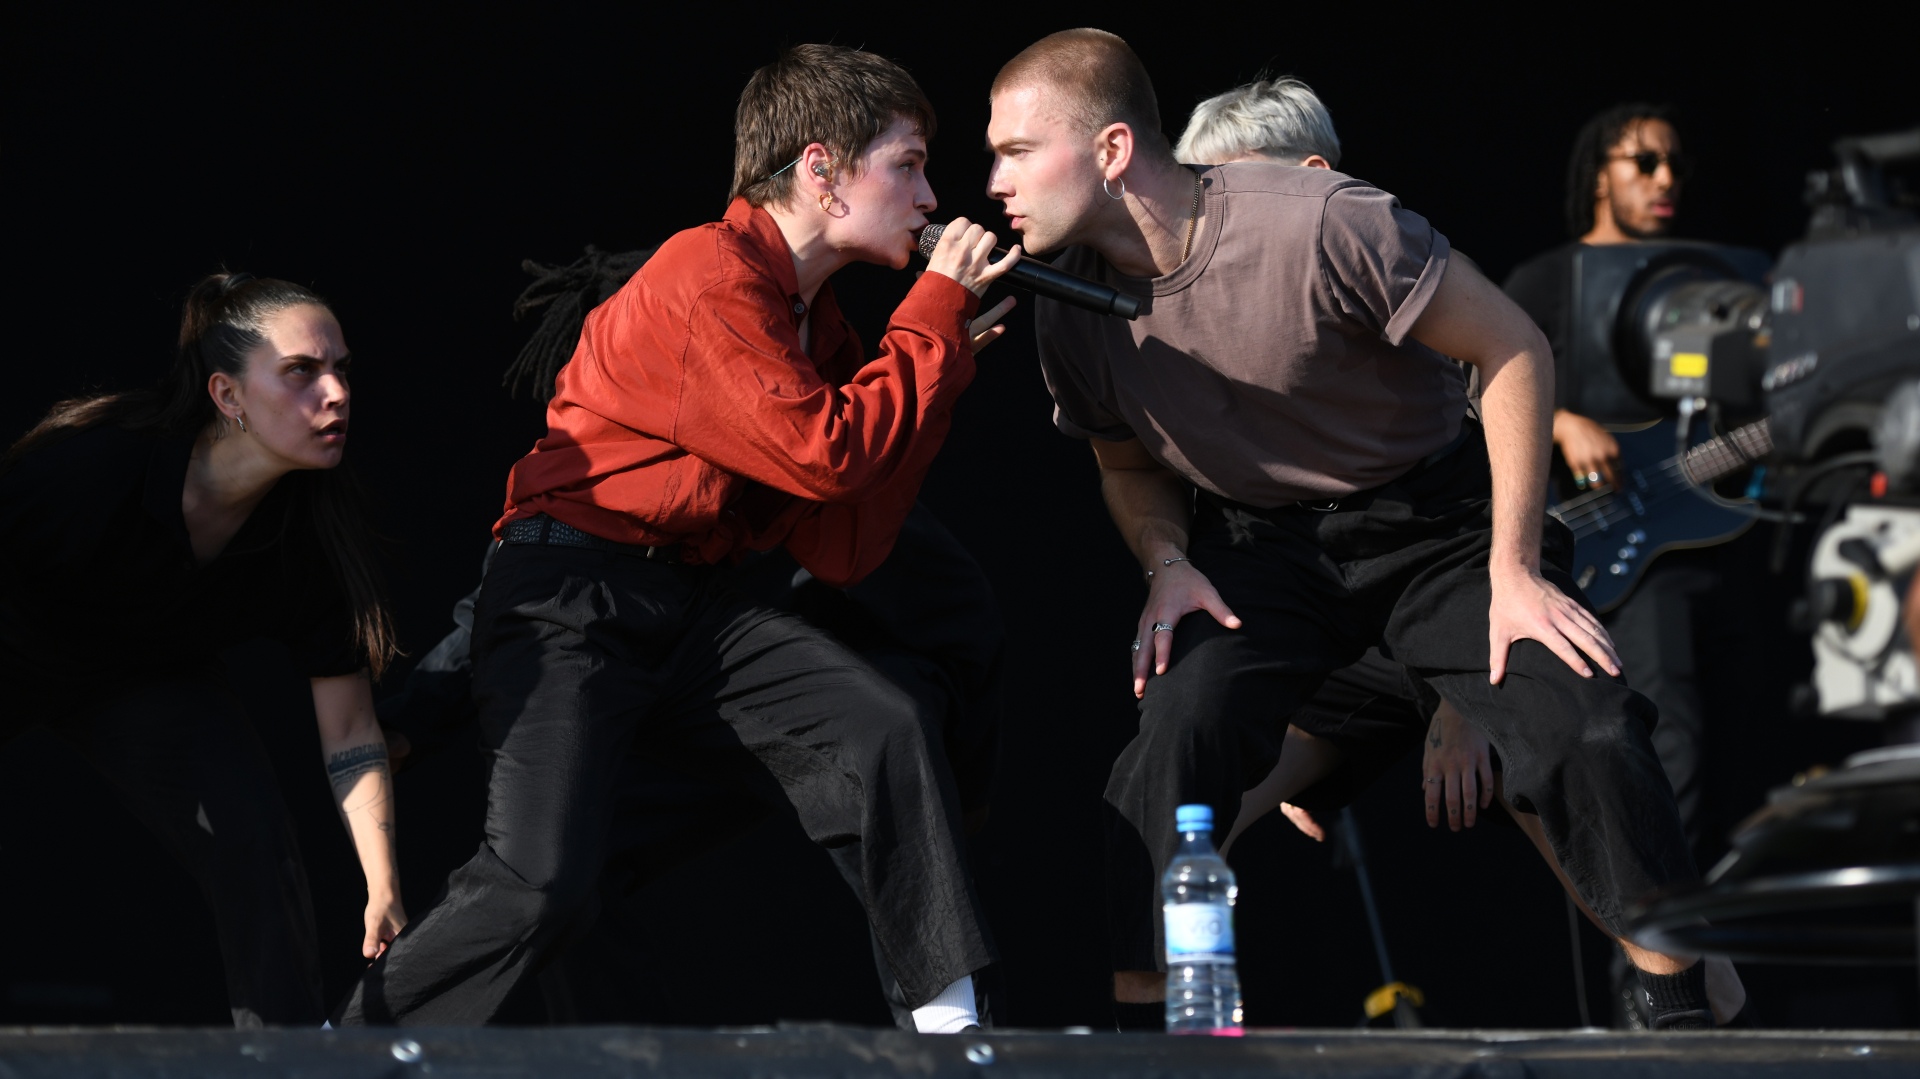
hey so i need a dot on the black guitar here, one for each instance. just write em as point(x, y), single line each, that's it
point(1663, 503)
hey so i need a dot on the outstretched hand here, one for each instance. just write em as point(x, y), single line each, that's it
point(1175, 592)
point(1455, 767)
point(1526, 606)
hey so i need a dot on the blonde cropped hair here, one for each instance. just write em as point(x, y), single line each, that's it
point(1278, 118)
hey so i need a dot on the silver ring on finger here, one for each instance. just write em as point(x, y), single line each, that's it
point(1136, 645)
point(1163, 627)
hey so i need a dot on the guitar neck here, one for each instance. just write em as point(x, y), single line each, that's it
point(1713, 459)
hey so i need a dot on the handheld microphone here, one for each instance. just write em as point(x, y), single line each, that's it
point(1054, 284)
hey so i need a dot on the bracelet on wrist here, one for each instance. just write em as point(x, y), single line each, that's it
point(1165, 562)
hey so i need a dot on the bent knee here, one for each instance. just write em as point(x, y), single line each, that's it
point(1183, 718)
point(1605, 744)
point(529, 896)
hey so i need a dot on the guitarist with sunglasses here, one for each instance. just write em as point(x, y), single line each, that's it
point(1624, 181)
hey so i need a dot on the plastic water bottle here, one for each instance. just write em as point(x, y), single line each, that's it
point(1197, 893)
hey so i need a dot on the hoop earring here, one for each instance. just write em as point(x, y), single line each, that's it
point(826, 203)
point(1109, 190)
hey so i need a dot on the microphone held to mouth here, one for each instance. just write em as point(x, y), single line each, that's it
point(1054, 284)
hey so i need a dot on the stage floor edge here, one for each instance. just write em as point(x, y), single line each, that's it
point(831, 1050)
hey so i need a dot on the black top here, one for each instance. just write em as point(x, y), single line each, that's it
point(1585, 381)
point(98, 586)
point(1543, 287)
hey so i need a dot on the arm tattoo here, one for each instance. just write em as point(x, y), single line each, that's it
point(348, 765)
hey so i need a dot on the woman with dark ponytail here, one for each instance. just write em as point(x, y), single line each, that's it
point(140, 534)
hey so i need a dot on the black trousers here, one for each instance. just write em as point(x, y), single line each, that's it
point(1403, 566)
point(926, 619)
point(183, 758)
point(663, 818)
point(584, 657)
point(1655, 631)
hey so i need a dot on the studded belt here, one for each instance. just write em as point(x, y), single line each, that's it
point(542, 529)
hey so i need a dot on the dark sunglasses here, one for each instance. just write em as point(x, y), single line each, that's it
point(1649, 162)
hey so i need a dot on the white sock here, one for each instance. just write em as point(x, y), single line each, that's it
point(950, 1012)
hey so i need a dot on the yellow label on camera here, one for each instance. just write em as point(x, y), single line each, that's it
point(1689, 365)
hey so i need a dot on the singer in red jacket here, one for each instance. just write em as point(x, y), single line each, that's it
point(719, 403)
point(697, 416)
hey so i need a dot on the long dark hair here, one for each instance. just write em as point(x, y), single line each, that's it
point(1591, 148)
point(224, 319)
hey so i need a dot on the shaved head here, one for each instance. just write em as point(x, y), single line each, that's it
point(1091, 79)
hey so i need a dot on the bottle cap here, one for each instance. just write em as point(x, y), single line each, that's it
point(1194, 818)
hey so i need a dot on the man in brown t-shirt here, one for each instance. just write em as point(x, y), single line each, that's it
point(1281, 437)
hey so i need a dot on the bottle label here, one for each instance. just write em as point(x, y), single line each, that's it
point(1197, 929)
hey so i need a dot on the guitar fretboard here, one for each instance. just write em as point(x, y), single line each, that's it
point(1711, 460)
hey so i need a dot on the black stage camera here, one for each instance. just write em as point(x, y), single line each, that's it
point(1817, 346)
point(1820, 345)
point(1825, 347)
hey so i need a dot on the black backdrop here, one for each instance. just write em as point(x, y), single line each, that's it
point(403, 162)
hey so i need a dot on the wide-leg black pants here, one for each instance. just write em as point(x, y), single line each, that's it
point(183, 758)
point(1403, 566)
point(582, 657)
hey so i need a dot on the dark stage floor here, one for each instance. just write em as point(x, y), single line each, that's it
point(550, 1053)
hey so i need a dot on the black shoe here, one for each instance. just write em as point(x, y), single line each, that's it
point(1688, 1020)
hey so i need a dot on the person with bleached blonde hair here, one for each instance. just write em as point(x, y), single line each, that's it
point(1280, 120)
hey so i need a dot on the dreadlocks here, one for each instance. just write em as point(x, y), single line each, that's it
point(1591, 149)
point(562, 296)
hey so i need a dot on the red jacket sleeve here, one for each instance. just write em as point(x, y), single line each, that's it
point(752, 402)
point(841, 542)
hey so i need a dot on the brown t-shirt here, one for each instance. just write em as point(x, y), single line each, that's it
point(1274, 366)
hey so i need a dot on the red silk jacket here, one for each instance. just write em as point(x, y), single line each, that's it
point(689, 413)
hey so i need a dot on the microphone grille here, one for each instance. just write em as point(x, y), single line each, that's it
point(929, 238)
